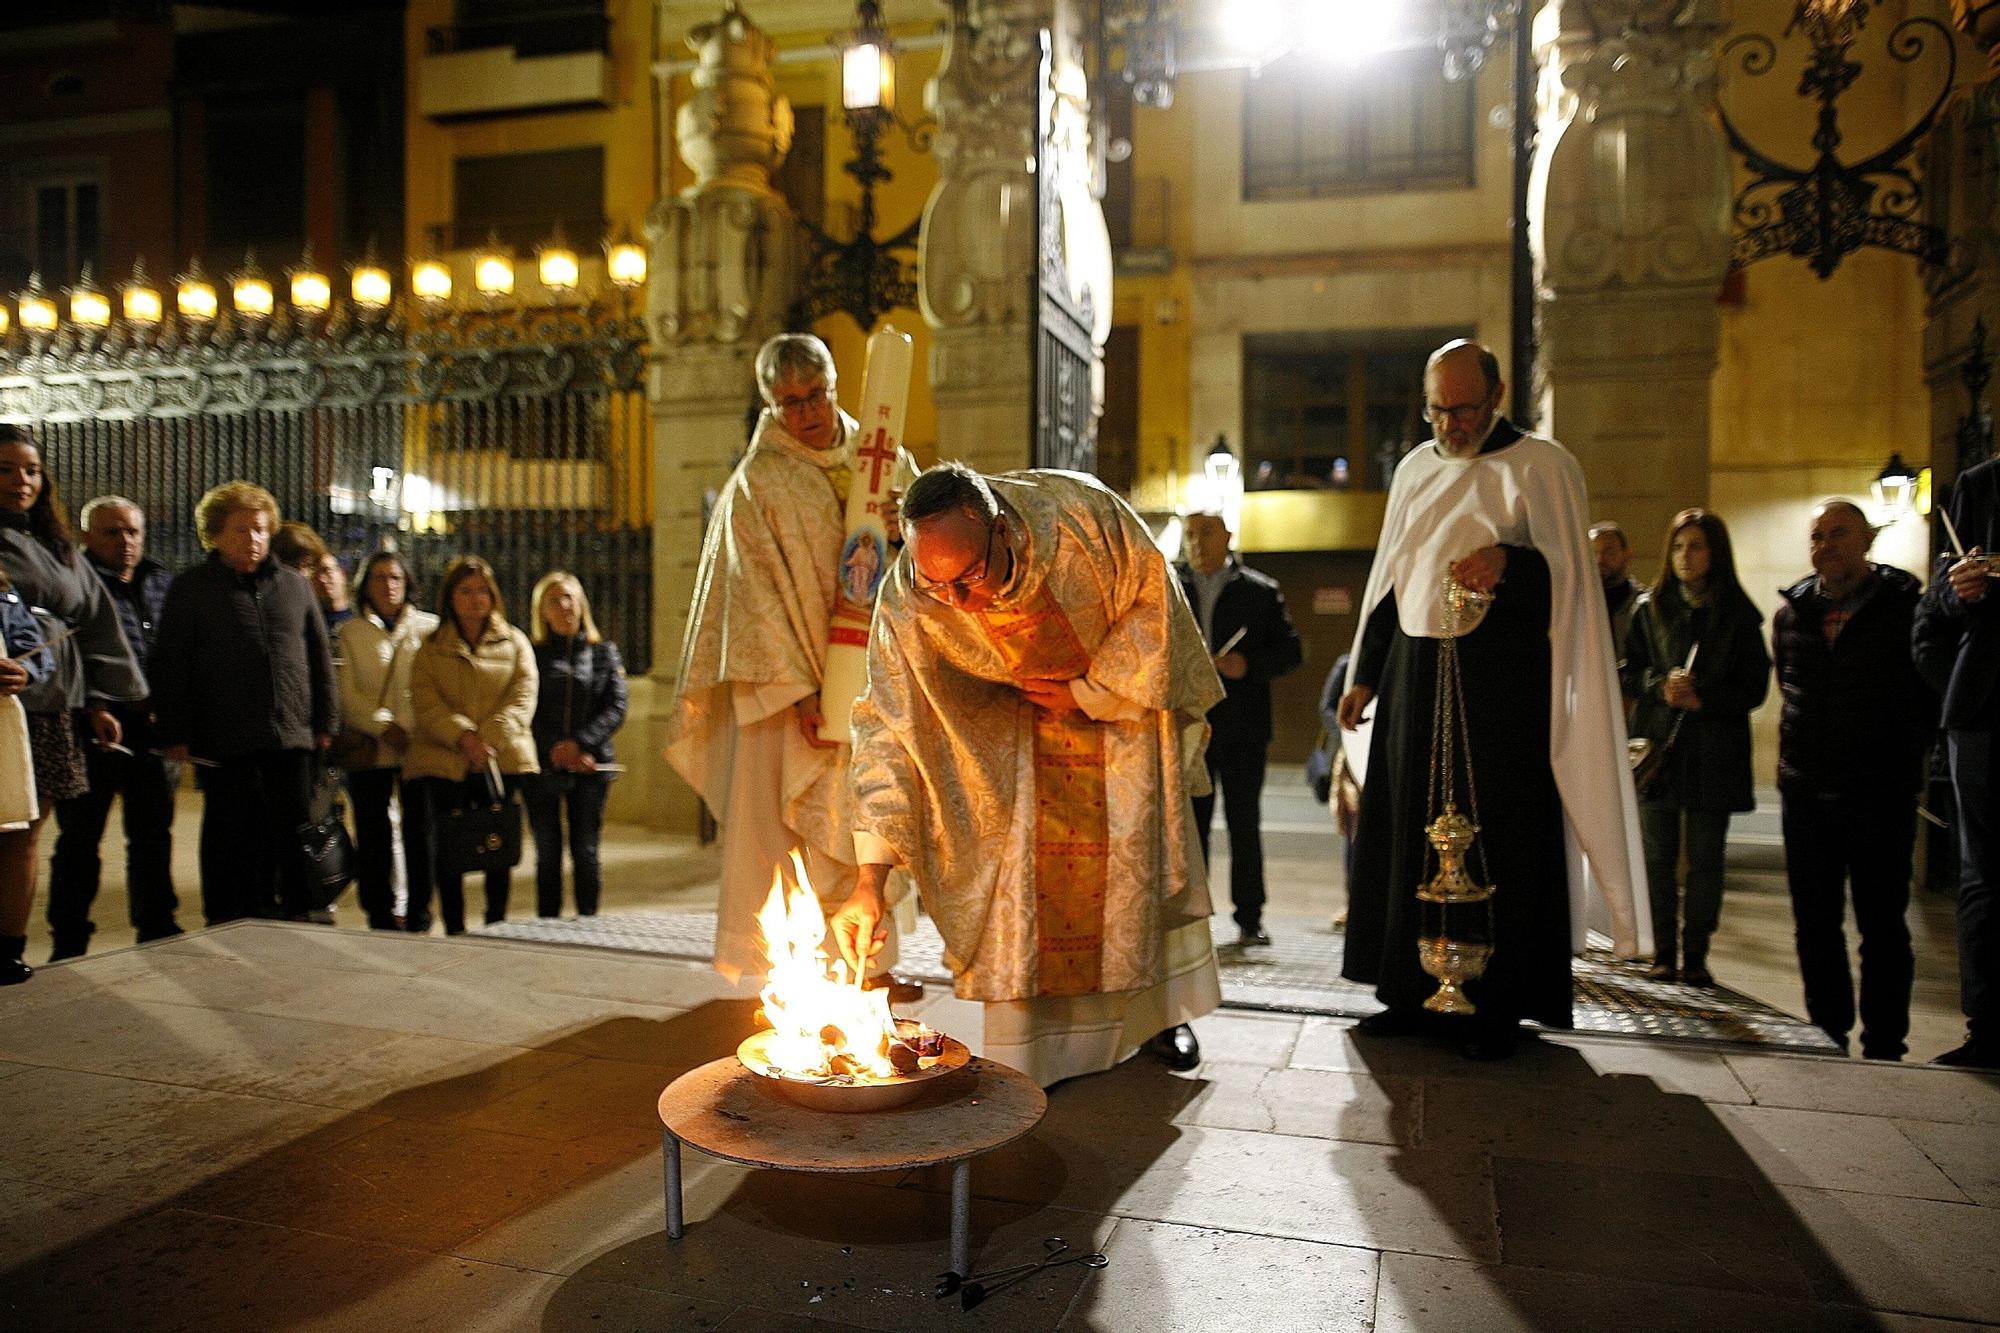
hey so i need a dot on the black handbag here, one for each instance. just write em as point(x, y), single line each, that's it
point(483, 833)
point(329, 850)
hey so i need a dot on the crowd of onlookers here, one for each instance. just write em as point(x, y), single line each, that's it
point(282, 682)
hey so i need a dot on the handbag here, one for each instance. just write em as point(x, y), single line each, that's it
point(354, 750)
point(329, 850)
point(1319, 768)
point(484, 833)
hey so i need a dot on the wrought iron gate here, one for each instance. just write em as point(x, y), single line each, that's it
point(1065, 423)
point(519, 436)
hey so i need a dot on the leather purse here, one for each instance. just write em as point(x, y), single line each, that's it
point(484, 833)
point(329, 849)
point(356, 751)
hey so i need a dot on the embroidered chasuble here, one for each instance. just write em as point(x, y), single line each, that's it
point(755, 645)
point(1057, 854)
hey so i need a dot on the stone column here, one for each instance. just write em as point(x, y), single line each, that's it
point(1629, 210)
point(724, 264)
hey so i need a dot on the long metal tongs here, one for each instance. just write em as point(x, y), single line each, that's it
point(975, 1288)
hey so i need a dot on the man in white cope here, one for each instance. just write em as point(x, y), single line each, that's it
point(1500, 512)
point(745, 730)
point(1028, 746)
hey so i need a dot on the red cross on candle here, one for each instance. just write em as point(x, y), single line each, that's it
point(877, 452)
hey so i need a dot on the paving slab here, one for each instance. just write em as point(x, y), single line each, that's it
point(1604, 1122)
point(1305, 1103)
point(1420, 1294)
point(1835, 1151)
point(1867, 1087)
point(1969, 1154)
point(414, 1078)
point(1248, 1039)
point(1911, 1255)
point(1176, 1277)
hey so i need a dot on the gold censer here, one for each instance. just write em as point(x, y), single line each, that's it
point(1457, 934)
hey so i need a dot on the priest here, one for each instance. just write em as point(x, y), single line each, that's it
point(746, 728)
point(1028, 747)
point(1503, 513)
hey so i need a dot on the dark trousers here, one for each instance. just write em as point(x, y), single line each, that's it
point(1978, 914)
point(252, 862)
point(1707, 835)
point(548, 794)
point(146, 782)
point(1862, 845)
point(371, 790)
point(1239, 770)
point(437, 795)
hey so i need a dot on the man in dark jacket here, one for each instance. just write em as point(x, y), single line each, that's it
point(1851, 738)
point(1243, 619)
point(114, 539)
point(1957, 643)
point(243, 683)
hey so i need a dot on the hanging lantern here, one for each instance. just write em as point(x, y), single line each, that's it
point(868, 65)
point(1895, 488)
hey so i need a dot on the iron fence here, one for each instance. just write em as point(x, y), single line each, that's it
point(519, 436)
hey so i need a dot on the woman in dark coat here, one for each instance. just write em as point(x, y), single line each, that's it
point(582, 703)
point(1696, 667)
point(93, 663)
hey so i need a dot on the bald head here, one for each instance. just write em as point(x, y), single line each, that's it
point(1840, 537)
point(1462, 391)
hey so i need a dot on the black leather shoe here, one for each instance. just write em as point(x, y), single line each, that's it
point(13, 971)
point(64, 947)
point(1177, 1048)
point(902, 990)
point(1250, 935)
point(1974, 1054)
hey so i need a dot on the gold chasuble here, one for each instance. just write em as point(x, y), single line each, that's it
point(1057, 854)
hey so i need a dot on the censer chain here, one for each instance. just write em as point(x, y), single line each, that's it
point(1449, 734)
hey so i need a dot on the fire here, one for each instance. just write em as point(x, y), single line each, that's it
point(822, 1022)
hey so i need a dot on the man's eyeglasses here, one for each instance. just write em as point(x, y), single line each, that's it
point(1463, 414)
point(793, 406)
point(953, 592)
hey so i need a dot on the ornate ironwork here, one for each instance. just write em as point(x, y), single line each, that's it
point(1065, 420)
point(1824, 211)
point(864, 276)
point(1467, 30)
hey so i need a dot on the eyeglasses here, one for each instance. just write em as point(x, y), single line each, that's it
point(793, 406)
point(1460, 413)
point(953, 592)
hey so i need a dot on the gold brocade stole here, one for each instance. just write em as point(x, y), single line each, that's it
point(1037, 642)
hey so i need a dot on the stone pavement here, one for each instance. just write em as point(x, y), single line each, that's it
point(269, 1126)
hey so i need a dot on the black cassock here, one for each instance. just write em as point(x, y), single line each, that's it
point(1504, 665)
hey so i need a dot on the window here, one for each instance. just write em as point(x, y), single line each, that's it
point(68, 227)
point(1334, 411)
point(1395, 124)
point(522, 197)
point(531, 27)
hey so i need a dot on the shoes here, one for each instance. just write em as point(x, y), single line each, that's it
point(1177, 1047)
point(171, 932)
point(1973, 1054)
point(1250, 935)
point(1393, 1023)
point(12, 970)
point(68, 947)
point(320, 916)
point(902, 990)
point(417, 925)
point(1663, 972)
point(1697, 974)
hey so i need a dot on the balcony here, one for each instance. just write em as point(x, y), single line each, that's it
point(554, 61)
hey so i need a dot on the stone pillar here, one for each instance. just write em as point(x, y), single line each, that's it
point(1629, 210)
point(724, 264)
point(978, 241)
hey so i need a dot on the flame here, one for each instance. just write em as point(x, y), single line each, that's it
point(816, 1010)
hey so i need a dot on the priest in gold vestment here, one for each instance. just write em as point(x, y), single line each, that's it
point(1028, 746)
point(746, 721)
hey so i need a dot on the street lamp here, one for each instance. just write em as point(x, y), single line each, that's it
point(1895, 488)
point(194, 294)
point(369, 283)
point(430, 281)
point(250, 291)
point(625, 261)
point(139, 299)
point(556, 263)
point(868, 65)
point(312, 290)
point(88, 305)
point(493, 270)
point(38, 311)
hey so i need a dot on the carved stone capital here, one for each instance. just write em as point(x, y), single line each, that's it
point(1632, 174)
